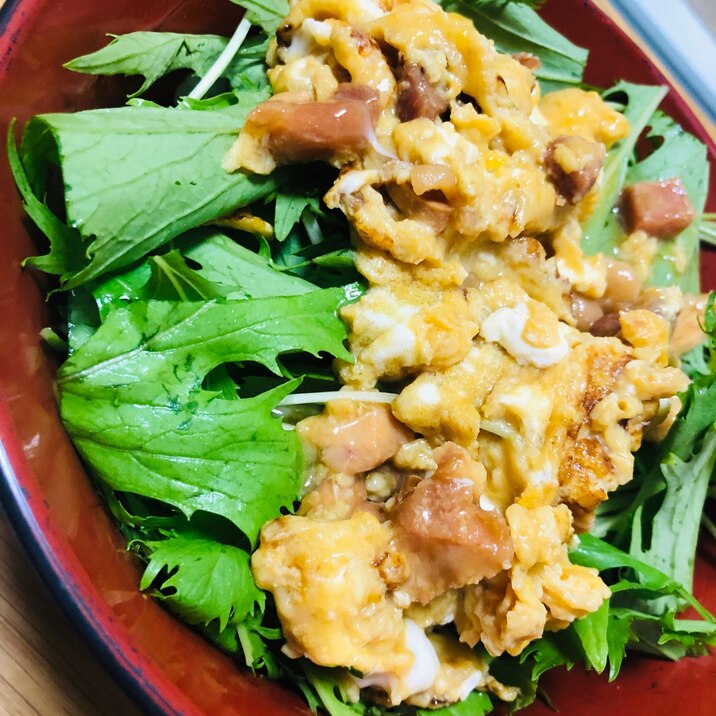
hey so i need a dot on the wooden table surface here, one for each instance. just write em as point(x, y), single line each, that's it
point(45, 668)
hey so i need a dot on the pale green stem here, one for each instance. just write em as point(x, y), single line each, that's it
point(222, 61)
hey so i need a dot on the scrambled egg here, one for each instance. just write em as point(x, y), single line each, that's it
point(465, 189)
point(541, 590)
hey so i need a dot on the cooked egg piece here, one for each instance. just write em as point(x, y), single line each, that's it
point(422, 673)
point(507, 326)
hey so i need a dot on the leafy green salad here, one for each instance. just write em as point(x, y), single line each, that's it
point(199, 316)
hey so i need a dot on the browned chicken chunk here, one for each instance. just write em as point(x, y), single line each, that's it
point(302, 131)
point(417, 97)
point(573, 163)
point(448, 541)
point(659, 208)
point(353, 437)
point(350, 92)
point(606, 325)
point(430, 211)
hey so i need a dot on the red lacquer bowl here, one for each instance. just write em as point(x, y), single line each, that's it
point(51, 502)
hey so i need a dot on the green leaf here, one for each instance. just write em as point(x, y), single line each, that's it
point(122, 287)
point(324, 688)
point(516, 27)
point(660, 635)
point(227, 457)
point(594, 552)
point(686, 448)
point(178, 341)
point(710, 324)
point(207, 104)
point(220, 268)
point(640, 611)
point(327, 691)
point(252, 636)
point(694, 363)
point(151, 55)
point(136, 178)
point(602, 232)
point(267, 14)
point(248, 68)
point(243, 273)
point(82, 318)
point(619, 635)
point(592, 631)
point(476, 704)
point(696, 417)
point(691, 634)
point(155, 54)
point(53, 340)
point(66, 250)
point(339, 259)
point(289, 208)
point(172, 279)
point(549, 652)
point(675, 526)
point(678, 154)
point(207, 580)
point(131, 399)
point(513, 672)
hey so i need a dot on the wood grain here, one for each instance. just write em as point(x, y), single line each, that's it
point(45, 668)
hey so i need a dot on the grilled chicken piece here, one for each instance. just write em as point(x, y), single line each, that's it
point(606, 325)
point(417, 97)
point(447, 540)
point(430, 211)
point(350, 92)
point(354, 437)
point(297, 130)
point(573, 163)
point(659, 208)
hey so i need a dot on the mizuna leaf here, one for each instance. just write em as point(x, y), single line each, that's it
point(514, 26)
point(602, 231)
point(226, 457)
point(178, 343)
point(66, 251)
point(206, 264)
point(135, 178)
point(240, 272)
point(151, 55)
point(155, 54)
point(592, 631)
point(206, 580)
point(476, 704)
point(678, 154)
point(594, 552)
point(289, 208)
point(131, 398)
point(267, 14)
point(675, 526)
